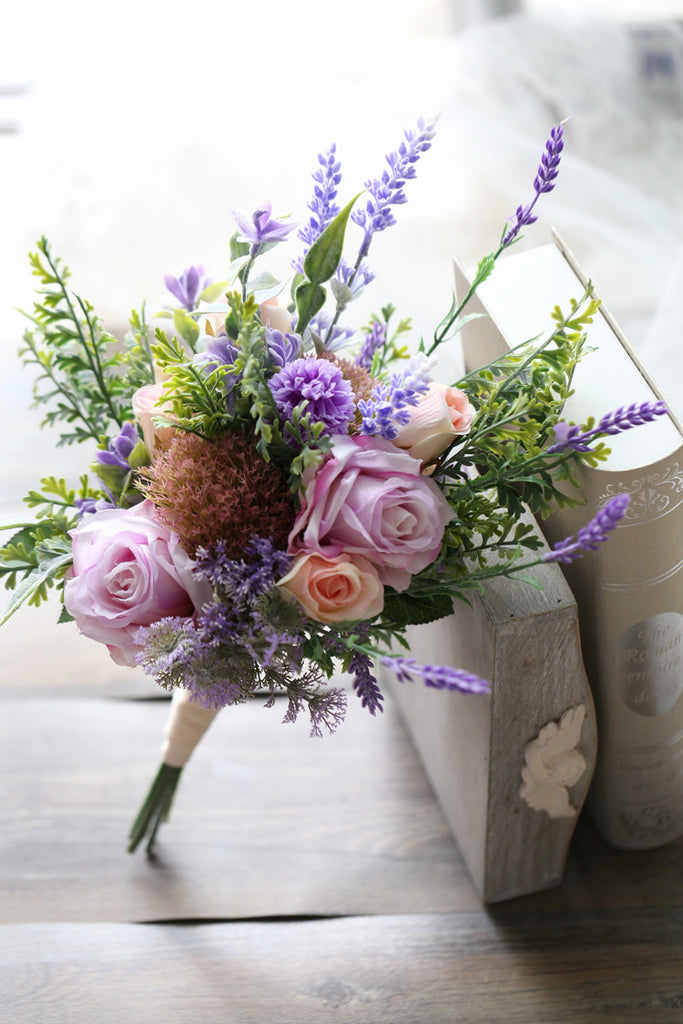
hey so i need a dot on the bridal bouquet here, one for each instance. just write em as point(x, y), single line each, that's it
point(276, 493)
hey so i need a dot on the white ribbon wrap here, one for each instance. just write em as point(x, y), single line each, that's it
point(186, 724)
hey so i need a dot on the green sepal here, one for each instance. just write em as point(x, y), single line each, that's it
point(65, 616)
point(139, 456)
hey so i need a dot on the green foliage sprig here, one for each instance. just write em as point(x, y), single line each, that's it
point(78, 363)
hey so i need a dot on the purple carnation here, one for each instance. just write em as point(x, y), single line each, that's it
point(320, 387)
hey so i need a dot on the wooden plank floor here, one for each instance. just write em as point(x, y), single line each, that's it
point(298, 880)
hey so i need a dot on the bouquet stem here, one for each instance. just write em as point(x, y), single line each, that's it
point(155, 808)
point(186, 724)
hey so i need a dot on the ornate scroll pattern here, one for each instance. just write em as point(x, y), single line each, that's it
point(652, 495)
point(552, 764)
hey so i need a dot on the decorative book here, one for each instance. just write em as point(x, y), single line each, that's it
point(629, 593)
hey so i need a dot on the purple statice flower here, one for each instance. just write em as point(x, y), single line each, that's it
point(374, 340)
point(261, 227)
point(282, 348)
point(327, 178)
point(590, 537)
point(624, 418)
point(548, 169)
point(364, 682)
point(188, 286)
point(439, 677)
point(387, 191)
point(389, 404)
point(320, 387)
point(120, 448)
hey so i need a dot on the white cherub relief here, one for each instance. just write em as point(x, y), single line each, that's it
point(552, 765)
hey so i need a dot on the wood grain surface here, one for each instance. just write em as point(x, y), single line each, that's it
point(298, 881)
point(471, 968)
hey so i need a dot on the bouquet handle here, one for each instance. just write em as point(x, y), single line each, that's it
point(186, 724)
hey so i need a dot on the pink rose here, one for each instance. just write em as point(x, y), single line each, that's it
point(441, 415)
point(275, 316)
point(370, 499)
point(128, 571)
point(343, 589)
point(146, 407)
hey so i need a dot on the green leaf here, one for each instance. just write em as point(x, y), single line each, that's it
point(265, 286)
point(310, 298)
point(404, 610)
point(214, 291)
point(185, 326)
point(322, 259)
point(36, 579)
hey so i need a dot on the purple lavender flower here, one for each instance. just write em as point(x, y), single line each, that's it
point(88, 506)
point(336, 336)
point(282, 348)
point(624, 418)
point(389, 405)
point(387, 191)
point(120, 448)
point(544, 181)
point(321, 387)
point(439, 677)
point(375, 339)
point(188, 286)
point(590, 537)
point(365, 684)
point(327, 178)
point(261, 227)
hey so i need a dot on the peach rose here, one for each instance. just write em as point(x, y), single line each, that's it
point(443, 414)
point(342, 589)
point(274, 316)
point(146, 407)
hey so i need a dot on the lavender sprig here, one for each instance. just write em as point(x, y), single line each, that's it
point(327, 178)
point(591, 536)
point(365, 684)
point(387, 191)
point(389, 404)
point(548, 169)
point(579, 440)
point(375, 339)
point(439, 677)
